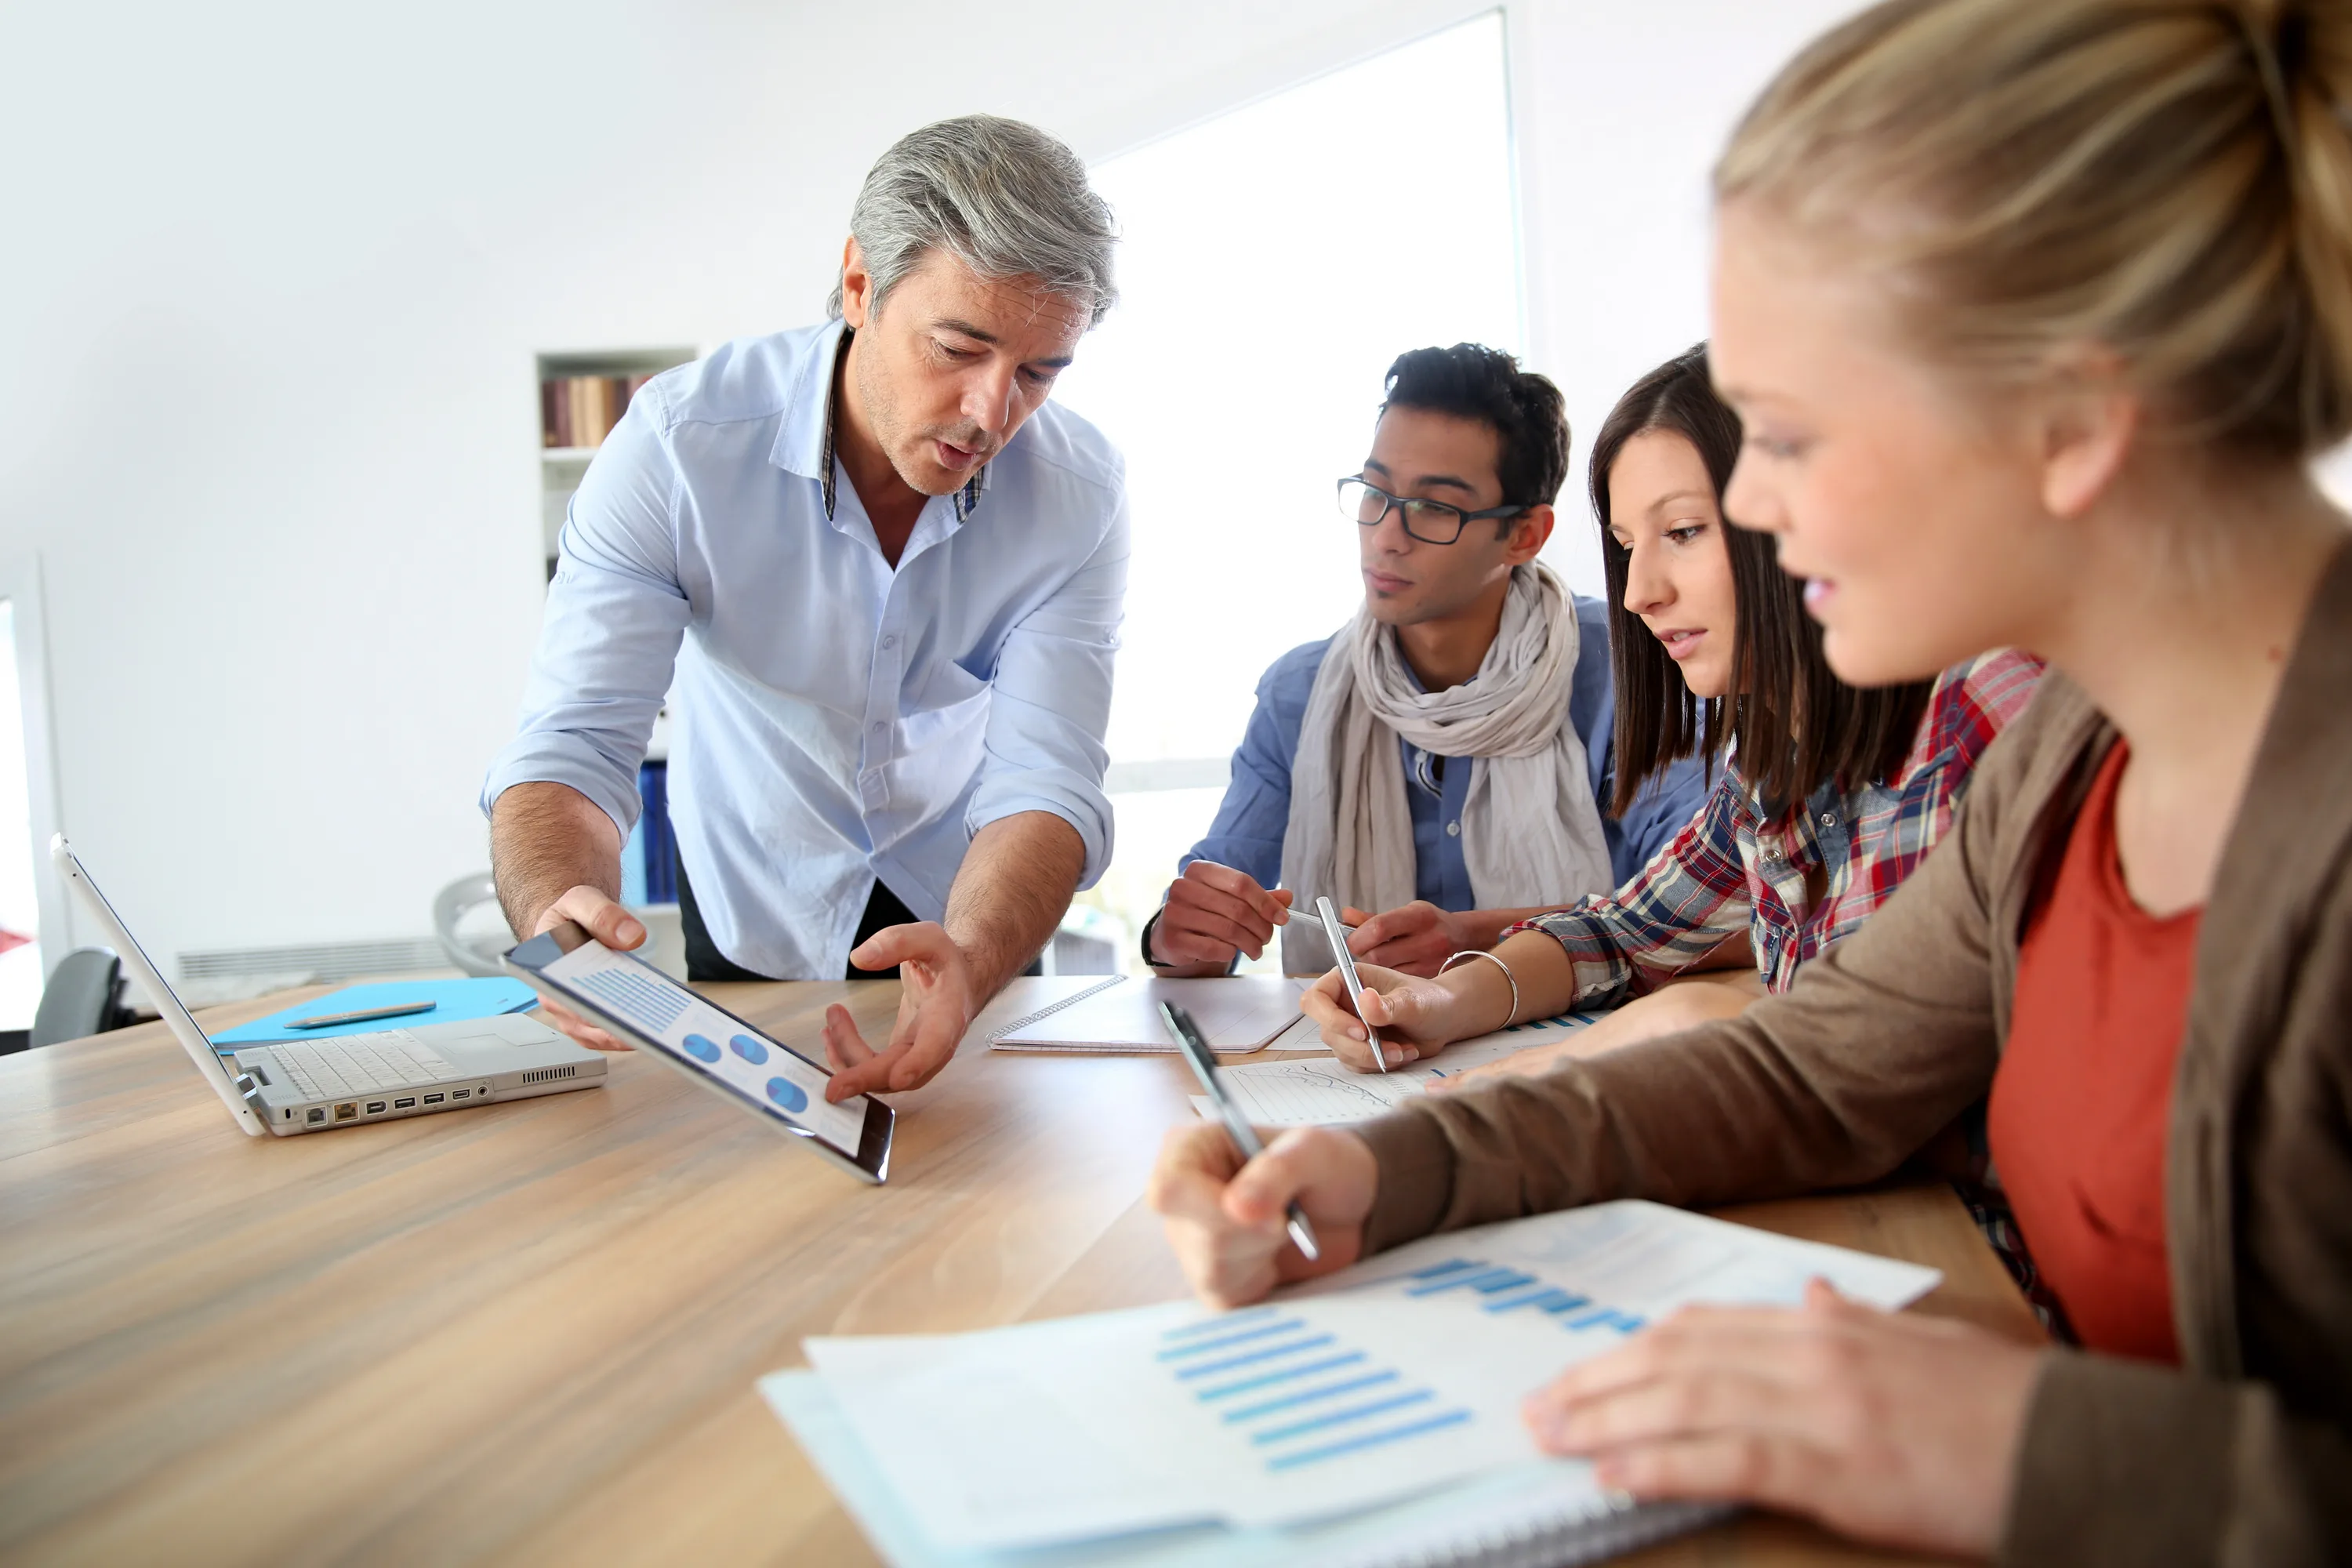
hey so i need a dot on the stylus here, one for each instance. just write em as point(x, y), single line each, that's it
point(1187, 1035)
point(1336, 934)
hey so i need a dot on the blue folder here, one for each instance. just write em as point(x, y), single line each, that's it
point(455, 1001)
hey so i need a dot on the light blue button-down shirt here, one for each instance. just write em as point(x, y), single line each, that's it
point(833, 721)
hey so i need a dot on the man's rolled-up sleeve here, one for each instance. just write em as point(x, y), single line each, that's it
point(1051, 704)
point(615, 613)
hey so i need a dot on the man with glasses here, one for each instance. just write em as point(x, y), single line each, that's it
point(1442, 758)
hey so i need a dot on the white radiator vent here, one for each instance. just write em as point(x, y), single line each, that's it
point(229, 974)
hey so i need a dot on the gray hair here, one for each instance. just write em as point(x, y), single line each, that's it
point(1003, 198)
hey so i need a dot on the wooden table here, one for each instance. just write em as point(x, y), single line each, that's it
point(530, 1333)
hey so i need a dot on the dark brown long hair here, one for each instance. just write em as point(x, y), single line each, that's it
point(1793, 725)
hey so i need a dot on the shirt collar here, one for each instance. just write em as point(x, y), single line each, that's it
point(804, 445)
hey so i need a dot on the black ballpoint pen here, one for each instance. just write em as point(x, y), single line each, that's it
point(1187, 1035)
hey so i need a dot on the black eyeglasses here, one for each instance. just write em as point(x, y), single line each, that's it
point(1430, 521)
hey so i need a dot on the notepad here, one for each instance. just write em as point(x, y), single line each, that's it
point(454, 1002)
point(1324, 1091)
point(1238, 1014)
point(1368, 1418)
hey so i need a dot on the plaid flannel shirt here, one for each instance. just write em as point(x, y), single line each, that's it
point(1729, 873)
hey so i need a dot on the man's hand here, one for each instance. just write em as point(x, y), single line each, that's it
point(1896, 1430)
point(936, 1004)
point(1225, 1219)
point(556, 856)
point(1412, 938)
point(1011, 890)
point(609, 923)
point(1213, 911)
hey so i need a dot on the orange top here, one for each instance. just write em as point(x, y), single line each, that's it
point(2084, 1095)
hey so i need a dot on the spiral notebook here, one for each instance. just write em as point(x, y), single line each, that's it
point(1238, 1014)
point(1368, 1418)
point(1541, 1514)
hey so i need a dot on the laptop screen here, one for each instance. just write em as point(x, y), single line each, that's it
point(142, 969)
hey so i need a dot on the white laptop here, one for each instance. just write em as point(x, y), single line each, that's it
point(311, 1086)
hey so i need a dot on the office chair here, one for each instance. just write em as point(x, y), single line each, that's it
point(477, 955)
point(83, 996)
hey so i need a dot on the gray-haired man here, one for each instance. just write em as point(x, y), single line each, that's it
point(887, 578)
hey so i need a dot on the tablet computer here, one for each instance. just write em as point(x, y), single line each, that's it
point(708, 1044)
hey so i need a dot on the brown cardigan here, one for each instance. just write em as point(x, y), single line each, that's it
point(2245, 1455)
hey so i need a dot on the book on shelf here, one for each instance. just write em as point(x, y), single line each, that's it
point(581, 410)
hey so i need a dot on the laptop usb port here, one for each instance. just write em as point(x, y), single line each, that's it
point(376, 1108)
point(347, 1111)
point(435, 1099)
point(317, 1114)
point(408, 1104)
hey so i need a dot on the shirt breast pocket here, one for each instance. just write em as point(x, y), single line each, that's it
point(947, 725)
point(948, 685)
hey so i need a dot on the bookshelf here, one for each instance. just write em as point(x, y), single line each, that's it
point(582, 395)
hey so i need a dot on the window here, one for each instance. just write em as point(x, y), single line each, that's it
point(33, 926)
point(1273, 262)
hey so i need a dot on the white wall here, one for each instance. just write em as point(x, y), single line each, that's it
point(1622, 110)
point(274, 276)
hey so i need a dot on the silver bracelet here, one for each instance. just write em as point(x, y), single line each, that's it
point(1474, 952)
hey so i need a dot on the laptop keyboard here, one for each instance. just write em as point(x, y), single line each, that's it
point(361, 1064)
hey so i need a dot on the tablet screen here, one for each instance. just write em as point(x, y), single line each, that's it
point(719, 1046)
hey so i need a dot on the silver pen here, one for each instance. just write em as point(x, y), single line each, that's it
point(1338, 936)
point(1194, 1050)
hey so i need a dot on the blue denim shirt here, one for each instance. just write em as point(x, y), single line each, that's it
point(833, 719)
point(1255, 814)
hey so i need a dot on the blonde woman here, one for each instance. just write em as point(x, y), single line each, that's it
point(2035, 312)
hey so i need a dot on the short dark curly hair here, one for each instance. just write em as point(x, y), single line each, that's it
point(1471, 381)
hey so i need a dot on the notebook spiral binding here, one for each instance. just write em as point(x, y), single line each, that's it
point(1561, 1538)
point(1046, 1012)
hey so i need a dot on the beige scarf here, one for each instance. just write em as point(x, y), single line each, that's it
point(1530, 828)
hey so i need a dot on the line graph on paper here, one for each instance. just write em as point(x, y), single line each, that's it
point(1323, 1091)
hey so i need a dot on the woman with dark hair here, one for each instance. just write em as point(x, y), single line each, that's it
point(1829, 793)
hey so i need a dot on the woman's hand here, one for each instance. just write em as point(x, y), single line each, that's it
point(1896, 1430)
point(1225, 1219)
point(1416, 1017)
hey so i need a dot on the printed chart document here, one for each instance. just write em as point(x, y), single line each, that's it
point(1397, 1379)
point(1236, 1013)
point(1325, 1091)
point(1539, 1510)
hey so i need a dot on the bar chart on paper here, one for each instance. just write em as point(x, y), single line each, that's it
point(1413, 1365)
point(1297, 1394)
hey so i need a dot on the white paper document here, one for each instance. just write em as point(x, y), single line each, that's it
point(1236, 1013)
point(1326, 1091)
point(1402, 1374)
point(1539, 1511)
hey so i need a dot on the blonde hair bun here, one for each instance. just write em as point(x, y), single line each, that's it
point(2168, 178)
